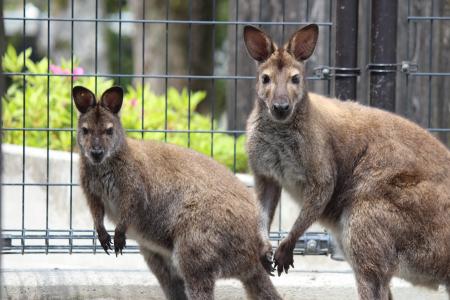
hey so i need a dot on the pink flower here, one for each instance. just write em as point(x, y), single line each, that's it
point(56, 69)
point(60, 71)
point(78, 71)
point(133, 102)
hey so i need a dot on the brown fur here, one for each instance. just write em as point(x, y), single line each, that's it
point(193, 219)
point(380, 183)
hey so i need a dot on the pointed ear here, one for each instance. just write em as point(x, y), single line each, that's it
point(302, 43)
point(112, 99)
point(259, 45)
point(84, 99)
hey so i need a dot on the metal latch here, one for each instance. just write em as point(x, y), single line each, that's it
point(406, 67)
point(325, 72)
point(409, 67)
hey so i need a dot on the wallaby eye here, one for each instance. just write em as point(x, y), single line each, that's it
point(109, 131)
point(295, 79)
point(84, 130)
point(265, 79)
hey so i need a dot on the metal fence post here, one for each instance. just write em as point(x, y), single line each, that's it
point(2, 91)
point(346, 49)
point(383, 66)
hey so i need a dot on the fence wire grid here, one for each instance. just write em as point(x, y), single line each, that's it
point(162, 57)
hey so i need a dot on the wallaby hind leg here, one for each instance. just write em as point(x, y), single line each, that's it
point(372, 289)
point(200, 288)
point(259, 286)
point(170, 281)
point(369, 249)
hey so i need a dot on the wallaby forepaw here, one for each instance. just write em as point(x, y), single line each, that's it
point(267, 263)
point(284, 257)
point(267, 259)
point(105, 241)
point(119, 242)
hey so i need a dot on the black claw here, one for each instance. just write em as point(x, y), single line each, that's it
point(105, 241)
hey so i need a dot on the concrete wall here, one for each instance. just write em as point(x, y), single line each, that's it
point(61, 169)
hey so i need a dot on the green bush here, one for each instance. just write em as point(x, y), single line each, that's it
point(47, 103)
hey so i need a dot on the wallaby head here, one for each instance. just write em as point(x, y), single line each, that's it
point(100, 133)
point(281, 71)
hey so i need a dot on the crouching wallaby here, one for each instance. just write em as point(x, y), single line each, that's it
point(192, 218)
point(380, 183)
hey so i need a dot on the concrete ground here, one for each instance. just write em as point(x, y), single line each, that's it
point(86, 276)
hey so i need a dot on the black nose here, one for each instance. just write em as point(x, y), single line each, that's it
point(281, 107)
point(97, 153)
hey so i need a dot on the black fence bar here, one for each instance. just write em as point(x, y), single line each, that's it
point(2, 50)
point(346, 49)
point(383, 66)
point(62, 241)
point(185, 22)
point(2, 91)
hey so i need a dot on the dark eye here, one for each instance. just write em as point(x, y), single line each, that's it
point(265, 79)
point(295, 79)
point(109, 131)
point(84, 130)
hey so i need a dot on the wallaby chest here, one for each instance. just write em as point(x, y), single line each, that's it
point(278, 154)
point(106, 186)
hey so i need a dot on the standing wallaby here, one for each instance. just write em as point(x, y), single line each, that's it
point(193, 219)
point(380, 183)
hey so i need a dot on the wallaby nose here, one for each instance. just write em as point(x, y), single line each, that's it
point(97, 154)
point(281, 107)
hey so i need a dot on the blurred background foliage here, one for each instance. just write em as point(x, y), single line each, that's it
point(47, 103)
point(110, 48)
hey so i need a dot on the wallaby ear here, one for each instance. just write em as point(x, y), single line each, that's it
point(83, 98)
point(112, 99)
point(302, 43)
point(259, 45)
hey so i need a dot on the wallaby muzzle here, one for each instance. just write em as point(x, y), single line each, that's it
point(281, 109)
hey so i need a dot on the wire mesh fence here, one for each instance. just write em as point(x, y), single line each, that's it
point(188, 81)
point(45, 213)
point(424, 97)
